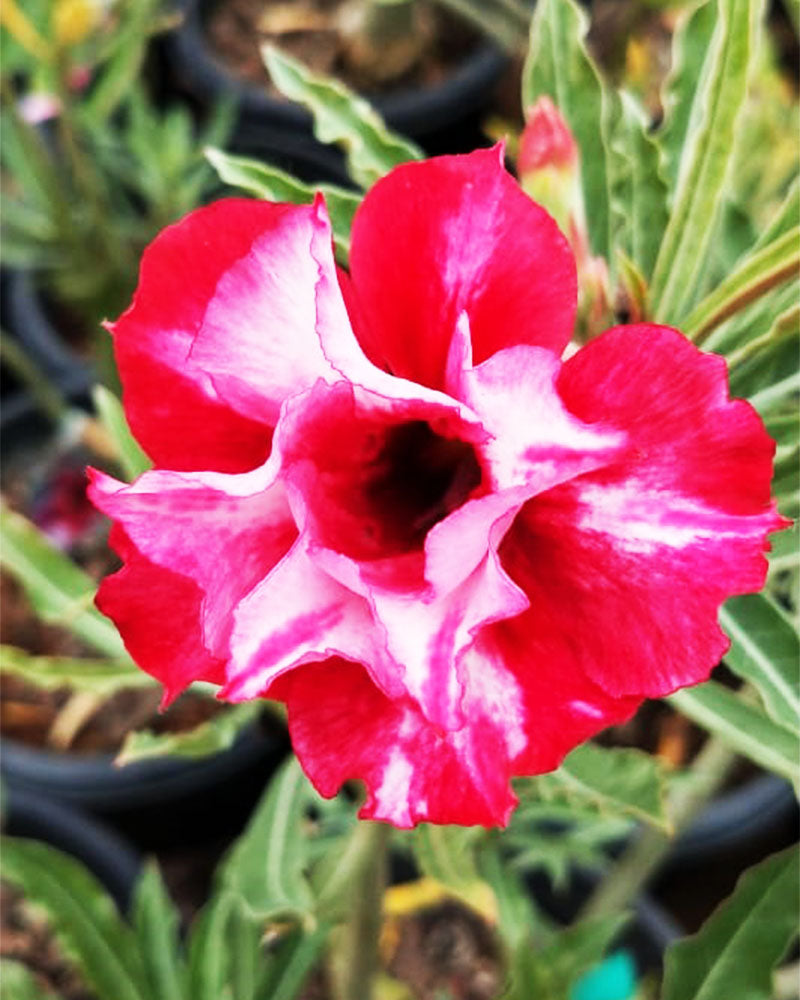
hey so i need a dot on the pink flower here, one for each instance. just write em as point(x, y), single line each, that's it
point(383, 499)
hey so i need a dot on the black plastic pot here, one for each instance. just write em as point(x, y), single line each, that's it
point(733, 821)
point(160, 802)
point(436, 116)
point(115, 863)
point(25, 319)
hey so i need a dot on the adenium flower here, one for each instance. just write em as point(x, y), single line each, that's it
point(382, 498)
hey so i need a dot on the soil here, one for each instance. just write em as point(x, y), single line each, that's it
point(319, 33)
point(26, 937)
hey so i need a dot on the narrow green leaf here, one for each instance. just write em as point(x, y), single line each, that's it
point(60, 592)
point(265, 181)
point(101, 677)
point(618, 780)
point(266, 868)
point(705, 159)
point(82, 915)
point(734, 952)
point(17, 983)
point(758, 273)
point(287, 969)
point(786, 325)
point(155, 924)
point(765, 651)
point(772, 395)
point(558, 65)
point(216, 734)
point(342, 117)
point(208, 963)
point(745, 728)
point(131, 457)
point(681, 94)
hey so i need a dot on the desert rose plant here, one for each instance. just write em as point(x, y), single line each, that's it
point(396, 489)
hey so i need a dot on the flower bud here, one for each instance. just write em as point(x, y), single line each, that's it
point(547, 164)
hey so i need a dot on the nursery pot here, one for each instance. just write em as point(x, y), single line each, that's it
point(442, 116)
point(157, 803)
point(107, 855)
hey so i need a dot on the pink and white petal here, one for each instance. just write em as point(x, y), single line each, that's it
point(223, 533)
point(343, 727)
point(626, 567)
point(223, 327)
point(142, 593)
point(297, 615)
point(535, 441)
point(450, 235)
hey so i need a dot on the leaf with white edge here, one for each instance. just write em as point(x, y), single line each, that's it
point(208, 962)
point(734, 952)
point(559, 66)
point(155, 924)
point(616, 780)
point(766, 652)
point(766, 362)
point(638, 191)
point(342, 117)
point(680, 100)
point(761, 271)
point(265, 181)
point(213, 736)
point(132, 459)
point(60, 592)
point(82, 915)
point(101, 677)
point(705, 160)
point(743, 727)
point(266, 868)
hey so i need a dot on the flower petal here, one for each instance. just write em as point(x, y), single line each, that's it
point(431, 240)
point(223, 327)
point(219, 541)
point(625, 567)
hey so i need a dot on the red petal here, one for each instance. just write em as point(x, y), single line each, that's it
point(223, 327)
point(625, 567)
point(448, 235)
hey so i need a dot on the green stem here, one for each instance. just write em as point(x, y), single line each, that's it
point(509, 33)
point(644, 855)
point(357, 958)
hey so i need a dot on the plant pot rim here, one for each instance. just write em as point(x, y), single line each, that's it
point(108, 855)
point(411, 111)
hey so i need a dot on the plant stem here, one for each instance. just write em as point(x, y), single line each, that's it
point(644, 854)
point(358, 951)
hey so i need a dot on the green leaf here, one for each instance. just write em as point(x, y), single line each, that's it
point(765, 651)
point(680, 98)
point(558, 65)
point(208, 962)
point(266, 867)
point(570, 953)
point(447, 854)
point(614, 779)
point(289, 966)
point(101, 677)
point(705, 158)
point(131, 457)
point(82, 915)
point(758, 273)
point(216, 734)
point(734, 952)
point(60, 592)
point(342, 117)
point(17, 983)
point(266, 181)
point(745, 728)
point(638, 191)
point(155, 924)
